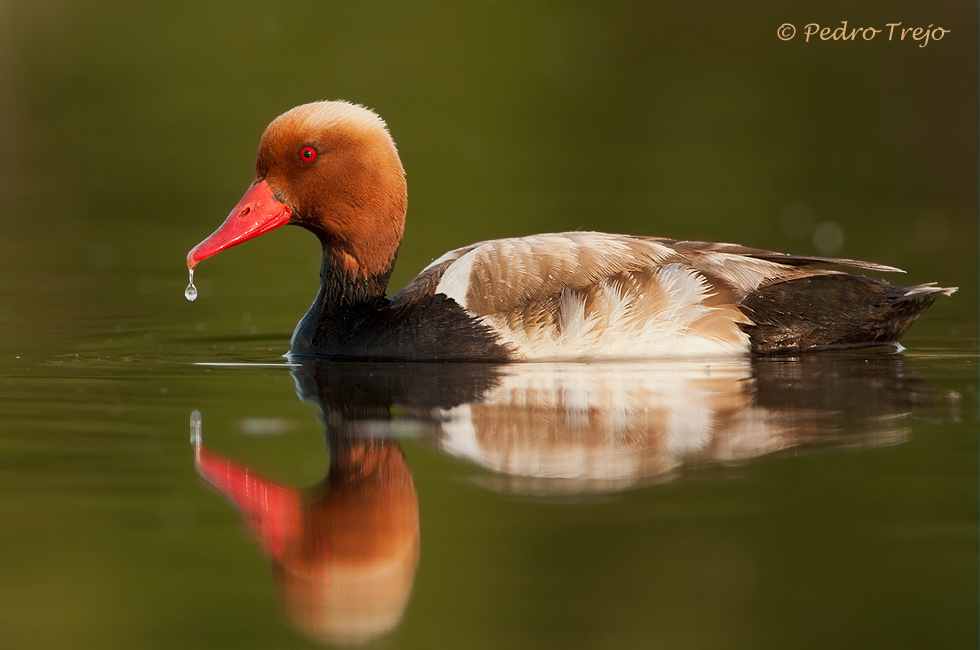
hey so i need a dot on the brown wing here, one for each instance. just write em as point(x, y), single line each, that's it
point(507, 275)
point(584, 294)
point(771, 256)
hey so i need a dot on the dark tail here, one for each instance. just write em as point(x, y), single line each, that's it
point(832, 312)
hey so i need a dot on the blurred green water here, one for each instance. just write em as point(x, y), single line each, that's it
point(128, 131)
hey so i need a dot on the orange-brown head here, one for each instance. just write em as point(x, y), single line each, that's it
point(332, 168)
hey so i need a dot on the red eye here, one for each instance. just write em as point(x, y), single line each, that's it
point(307, 154)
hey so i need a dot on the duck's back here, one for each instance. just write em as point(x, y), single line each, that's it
point(594, 295)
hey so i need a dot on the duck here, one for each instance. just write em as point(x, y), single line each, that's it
point(332, 167)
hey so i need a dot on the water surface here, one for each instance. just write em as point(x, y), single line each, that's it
point(785, 502)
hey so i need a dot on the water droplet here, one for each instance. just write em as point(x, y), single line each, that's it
point(196, 429)
point(191, 291)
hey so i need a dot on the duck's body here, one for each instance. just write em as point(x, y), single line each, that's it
point(332, 168)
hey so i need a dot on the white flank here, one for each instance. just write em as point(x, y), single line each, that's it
point(512, 286)
point(626, 328)
point(456, 280)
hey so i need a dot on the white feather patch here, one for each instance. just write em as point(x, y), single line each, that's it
point(456, 279)
point(512, 285)
point(625, 327)
point(745, 273)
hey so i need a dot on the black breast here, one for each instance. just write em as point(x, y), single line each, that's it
point(429, 328)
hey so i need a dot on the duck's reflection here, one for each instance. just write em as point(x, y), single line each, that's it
point(345, 551)
point(574, 429)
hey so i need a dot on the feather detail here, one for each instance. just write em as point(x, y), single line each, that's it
point(592, 295)
point(587, 295)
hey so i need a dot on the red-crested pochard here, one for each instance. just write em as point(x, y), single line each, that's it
point(332, 168)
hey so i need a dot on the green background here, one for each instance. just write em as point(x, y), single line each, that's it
point(130, 130)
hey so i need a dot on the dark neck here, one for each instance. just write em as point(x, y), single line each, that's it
point(340, 289)
point(343, 303)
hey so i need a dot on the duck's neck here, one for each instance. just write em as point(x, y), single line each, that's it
point(345, 300)
point(343, 286)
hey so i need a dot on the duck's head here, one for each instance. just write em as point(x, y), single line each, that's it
point(332, 168)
